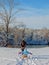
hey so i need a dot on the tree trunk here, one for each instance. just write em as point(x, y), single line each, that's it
point(7, 28)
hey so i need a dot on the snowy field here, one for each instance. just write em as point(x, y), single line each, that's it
point(9, 56)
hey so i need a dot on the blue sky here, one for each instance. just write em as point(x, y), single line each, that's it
point(35, 14)
point(36, 3)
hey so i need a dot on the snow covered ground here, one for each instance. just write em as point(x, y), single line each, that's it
point(9, 56)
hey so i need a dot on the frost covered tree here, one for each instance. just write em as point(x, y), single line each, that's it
point(8, 11)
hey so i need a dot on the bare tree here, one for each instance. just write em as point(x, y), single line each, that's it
point(31, 36)
point(23, 26)
point(8, 11)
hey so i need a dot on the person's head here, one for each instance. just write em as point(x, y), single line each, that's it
point(23, 43)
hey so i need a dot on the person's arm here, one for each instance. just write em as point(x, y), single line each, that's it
point(19, 52)
point(29, 52)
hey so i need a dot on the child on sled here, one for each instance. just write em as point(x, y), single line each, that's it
point(24, 51)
